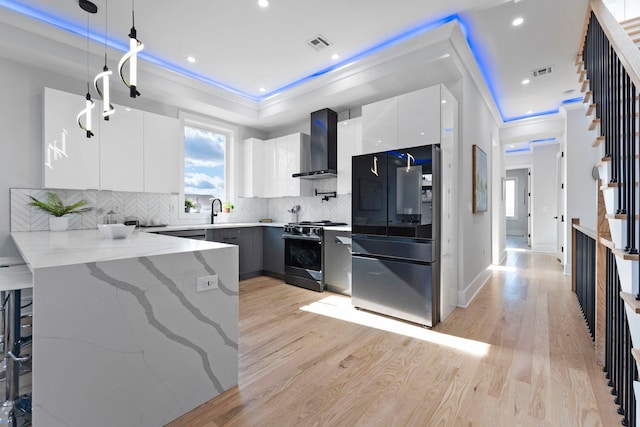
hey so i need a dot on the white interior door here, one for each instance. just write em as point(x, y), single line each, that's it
point(560, 207)
point(528, 195)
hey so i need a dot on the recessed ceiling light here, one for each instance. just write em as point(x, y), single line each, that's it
point(529, 112)
point(421, 133)
point(191, 59)
point(512, 146)
point(444, 101)
point(526, 81)
point(127, 109)
point(335, 56)
point(517, 22)
point(262, 89)
point(263, 3)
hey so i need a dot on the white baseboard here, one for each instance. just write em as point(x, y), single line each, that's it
point(544, 248)
point(469, 293)
point(567, 269)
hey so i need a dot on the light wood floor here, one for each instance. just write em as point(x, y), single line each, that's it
point(299, 368)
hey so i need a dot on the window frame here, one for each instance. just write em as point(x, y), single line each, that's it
point(231, 135)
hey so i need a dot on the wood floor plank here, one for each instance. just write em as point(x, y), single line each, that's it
point(300, 366)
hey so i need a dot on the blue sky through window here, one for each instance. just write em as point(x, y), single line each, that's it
point(204, 152)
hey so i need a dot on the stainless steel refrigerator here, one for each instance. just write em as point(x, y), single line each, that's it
point(396, 233)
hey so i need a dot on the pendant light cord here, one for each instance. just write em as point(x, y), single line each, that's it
point(106, 20)
point(88, 75)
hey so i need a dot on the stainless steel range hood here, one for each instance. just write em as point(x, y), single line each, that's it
point(323, 147)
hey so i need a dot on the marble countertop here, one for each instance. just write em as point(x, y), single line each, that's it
point(231, 225)
point(42, 249)
point(208, 226)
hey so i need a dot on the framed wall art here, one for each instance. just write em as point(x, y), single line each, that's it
point(480, 180)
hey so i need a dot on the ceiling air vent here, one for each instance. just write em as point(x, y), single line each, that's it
point(319, 42)
point(543, 71)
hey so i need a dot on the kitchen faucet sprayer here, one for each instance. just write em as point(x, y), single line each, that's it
point(213, 212)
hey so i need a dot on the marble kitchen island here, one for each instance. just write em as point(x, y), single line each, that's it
point(120, 335)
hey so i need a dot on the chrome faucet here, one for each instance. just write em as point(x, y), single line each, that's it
point(213, 213)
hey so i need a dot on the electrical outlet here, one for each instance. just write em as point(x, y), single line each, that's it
point(206, 283)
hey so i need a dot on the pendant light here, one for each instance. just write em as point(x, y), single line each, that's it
point(135, 46)
point(88, 7)
point(105, 92)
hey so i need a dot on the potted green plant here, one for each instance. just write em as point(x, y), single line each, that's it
point(227, 207)
point(54, 206)
point(188, 205)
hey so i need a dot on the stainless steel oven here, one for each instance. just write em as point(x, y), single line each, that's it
point(303, 258)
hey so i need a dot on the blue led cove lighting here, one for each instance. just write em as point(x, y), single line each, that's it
point(542, 140)
point(478, 54)
point(518, 150)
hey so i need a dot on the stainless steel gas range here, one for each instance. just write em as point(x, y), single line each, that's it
point(303, 254)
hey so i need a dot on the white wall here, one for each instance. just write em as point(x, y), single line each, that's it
point(581, 189)
point(475, 238)
point(21, 118)
point(544, 198)
point(499, 223)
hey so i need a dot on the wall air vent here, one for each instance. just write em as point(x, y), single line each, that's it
point(543, 71)
point(319, 42)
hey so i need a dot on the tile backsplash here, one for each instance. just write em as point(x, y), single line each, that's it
point(163, 208)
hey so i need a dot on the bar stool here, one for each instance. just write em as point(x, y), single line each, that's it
point(14, 277)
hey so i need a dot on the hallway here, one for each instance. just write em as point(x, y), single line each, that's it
point(519, 355)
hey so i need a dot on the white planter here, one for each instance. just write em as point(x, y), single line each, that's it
point(58, 223)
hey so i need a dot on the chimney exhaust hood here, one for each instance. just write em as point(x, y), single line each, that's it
point(323, 146)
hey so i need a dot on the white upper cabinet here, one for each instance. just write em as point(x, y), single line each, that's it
point(132, 151)
point(408, 120)
point(162, 139)
point(419, 117)
point(252, 168)
point(380, 126)
point(297, 146)
point(70, 159)
point(270, 169)
point(349, 145)
point(268, 166)
point(121, 151)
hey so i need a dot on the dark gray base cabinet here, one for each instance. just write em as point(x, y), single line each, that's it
point(261, 249)
point(273, 251)
point(249, 242)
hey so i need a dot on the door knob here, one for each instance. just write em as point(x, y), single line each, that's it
point(555, 217)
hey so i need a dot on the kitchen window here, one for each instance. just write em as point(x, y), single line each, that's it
point(206, 159)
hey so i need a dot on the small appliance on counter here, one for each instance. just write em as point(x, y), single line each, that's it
point(303, 253)
point(396, 233)
point(131, 220)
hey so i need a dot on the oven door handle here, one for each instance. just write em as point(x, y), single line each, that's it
point(313, 239)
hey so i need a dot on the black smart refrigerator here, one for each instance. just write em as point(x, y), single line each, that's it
point(396, 233)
